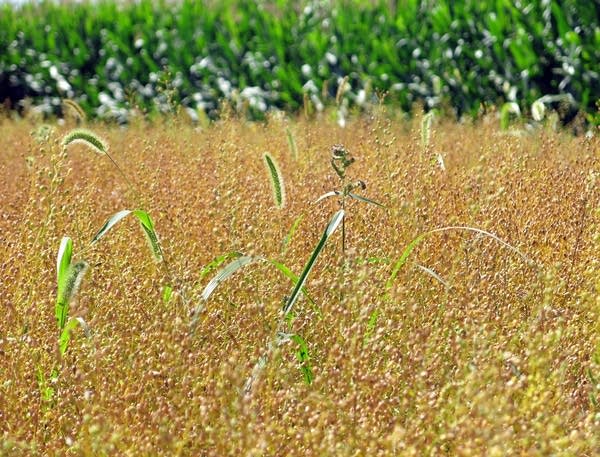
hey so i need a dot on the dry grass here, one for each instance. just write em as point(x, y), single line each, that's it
point(503, 362)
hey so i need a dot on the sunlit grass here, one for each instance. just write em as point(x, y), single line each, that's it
point(374, 355)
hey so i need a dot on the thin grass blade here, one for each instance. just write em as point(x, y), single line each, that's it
point(63, 259)
point(364, 199)
point(332, 193)
point(433, 274)
point(333, 224)
point(413, 244)
point(145, 222)
point(294, 279)
point(151, 236)
point(65, 334)
point(403, 258)
point(292, 143)
point(110, 222)
point(217, 262)
point(221, 276)
point(286, 241)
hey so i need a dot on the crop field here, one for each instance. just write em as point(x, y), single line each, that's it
point(441, 298)
point(117, 57)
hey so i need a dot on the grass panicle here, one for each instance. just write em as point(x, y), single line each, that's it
point(68, 287)
point(86, 137)
point(291, 143)
point(73, 108)
point(276, 178)
point(426, 123)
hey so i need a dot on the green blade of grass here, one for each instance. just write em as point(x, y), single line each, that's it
point(413, 244)
point(217, 262)
point(110, 222)
point(291, 143)
point(364, 199)
point(294, 279)
point(167, 293)
point(240, 262)
point(151, 236)
point(147, 226)
point(403, 258)
point(63, 259)
point(65, 334)
point(332, 193)
point(226, 272)
point(303, 357)
point(333, 224)
point(286, 241)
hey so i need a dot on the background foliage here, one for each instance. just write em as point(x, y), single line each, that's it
point(110, 57)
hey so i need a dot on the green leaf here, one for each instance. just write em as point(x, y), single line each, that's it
point(303, 357)
point(333, 224)
point(145, 222)
point(217, 262)
point(148, 227)
point(332, 193)
point(63, 259)
point(364, 199)
point(371, 325)
point(403, 258)
point(235, 265)
point(167, 293)
point(294, 279)
point(221, 276)
point(110, 222)
point(65, 335)
point(290, 234)
point(46, 392)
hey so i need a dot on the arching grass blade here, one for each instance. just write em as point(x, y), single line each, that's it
point(333, 224)
point(147, 226)
point(110, 222)
point(65, 334)
point(63, 259)
point(364, 199)
point(413, 244)
point(332, 193)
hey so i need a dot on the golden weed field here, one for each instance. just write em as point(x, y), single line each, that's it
point(473, 347)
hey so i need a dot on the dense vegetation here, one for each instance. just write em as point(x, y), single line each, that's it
point(112, 57)
point(482, 340)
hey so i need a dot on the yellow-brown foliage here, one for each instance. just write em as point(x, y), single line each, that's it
point(502, 362)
